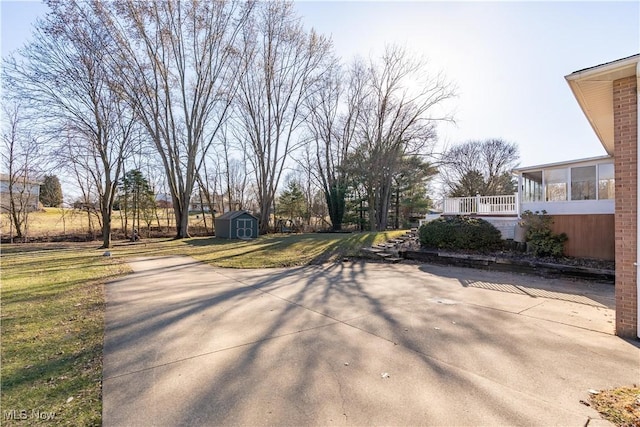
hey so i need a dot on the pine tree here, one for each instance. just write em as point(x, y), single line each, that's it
point(51, 191)
point(291, 203)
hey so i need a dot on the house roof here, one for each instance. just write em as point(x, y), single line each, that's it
point(6, 178)
point(561, 164)
point(234, 214)
point(593, 89)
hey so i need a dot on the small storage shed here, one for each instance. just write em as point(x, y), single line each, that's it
point(237, 225)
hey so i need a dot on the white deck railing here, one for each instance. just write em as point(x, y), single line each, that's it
point(482, 205)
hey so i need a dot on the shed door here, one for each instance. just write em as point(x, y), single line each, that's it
point(244, 228)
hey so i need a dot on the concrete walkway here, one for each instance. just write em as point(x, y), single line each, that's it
point(356, 344)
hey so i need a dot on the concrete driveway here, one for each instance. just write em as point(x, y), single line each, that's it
point(356, 344)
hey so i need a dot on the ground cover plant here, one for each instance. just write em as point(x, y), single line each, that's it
point(52, 307)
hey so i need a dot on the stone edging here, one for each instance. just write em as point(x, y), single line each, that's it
point(545, 269)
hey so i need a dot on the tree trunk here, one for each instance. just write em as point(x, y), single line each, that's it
point(335, 203)
point(181, 211)
point(106, 228)
point(373, 219)
point(397, 222)
point(264, 221)
point(383, 205)
point(14, 213)
point(182, 223)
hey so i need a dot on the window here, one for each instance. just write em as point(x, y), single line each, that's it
point(583, 183)
point(556, 183)
point(606, 181)
point(532, 186)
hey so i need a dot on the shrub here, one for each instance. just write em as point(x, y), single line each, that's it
point(460, 233)
point(541, 240)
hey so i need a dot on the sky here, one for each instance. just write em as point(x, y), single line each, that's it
point(506, 59)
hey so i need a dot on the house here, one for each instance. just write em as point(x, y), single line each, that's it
point(198, 203)
point(26, 193)
point(236, 225)
point(579, 196)
point(594, 201)
point(608, 96)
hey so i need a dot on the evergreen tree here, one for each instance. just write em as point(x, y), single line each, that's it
point(291, 203)
point(51, 191)
point(410, 189)
point(136, 199)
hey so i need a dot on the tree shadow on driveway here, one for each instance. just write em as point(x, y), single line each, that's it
point(582, 292)
point(311, 345)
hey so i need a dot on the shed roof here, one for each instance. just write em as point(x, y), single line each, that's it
point(234, 214)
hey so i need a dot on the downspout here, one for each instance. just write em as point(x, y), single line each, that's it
point(637, 200)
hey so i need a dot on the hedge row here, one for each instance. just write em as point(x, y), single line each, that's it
point(464, 233)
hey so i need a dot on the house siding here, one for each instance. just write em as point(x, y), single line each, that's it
point(590, 236)
point(625, 115)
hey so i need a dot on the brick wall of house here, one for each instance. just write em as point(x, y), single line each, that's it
point(625, 114)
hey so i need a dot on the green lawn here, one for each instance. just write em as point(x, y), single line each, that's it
point(52, 322)
point(280, 250)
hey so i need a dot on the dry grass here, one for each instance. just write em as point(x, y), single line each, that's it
point(51, 222)
point(621, 406)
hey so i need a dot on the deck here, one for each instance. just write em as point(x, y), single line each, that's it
point(506, 205)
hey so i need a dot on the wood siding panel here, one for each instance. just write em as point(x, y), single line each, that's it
point(590, 236)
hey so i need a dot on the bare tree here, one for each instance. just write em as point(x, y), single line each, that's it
point(306, 176)
point(19, 156)
point(235, 158)
point(174, 62)
point(401, 106)
point(334, 111)
point(480, 167)
point(78, 165)
point(208, 188)
point(63, 75)
point(283, 62)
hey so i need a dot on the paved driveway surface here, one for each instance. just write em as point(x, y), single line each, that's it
point(356, 344)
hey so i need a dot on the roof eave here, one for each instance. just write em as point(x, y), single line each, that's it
point(561, 164)
point(592, 89)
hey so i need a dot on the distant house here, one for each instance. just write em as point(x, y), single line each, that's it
point(236, 225)
point(26, 193)
point(199, 204)
point(164, 201)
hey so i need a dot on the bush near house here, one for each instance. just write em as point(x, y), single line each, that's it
point(541, 240)
point(460, 233)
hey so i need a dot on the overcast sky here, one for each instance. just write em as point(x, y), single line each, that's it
point(507, 59)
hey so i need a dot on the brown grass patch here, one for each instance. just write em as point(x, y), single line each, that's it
point(621, 406)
